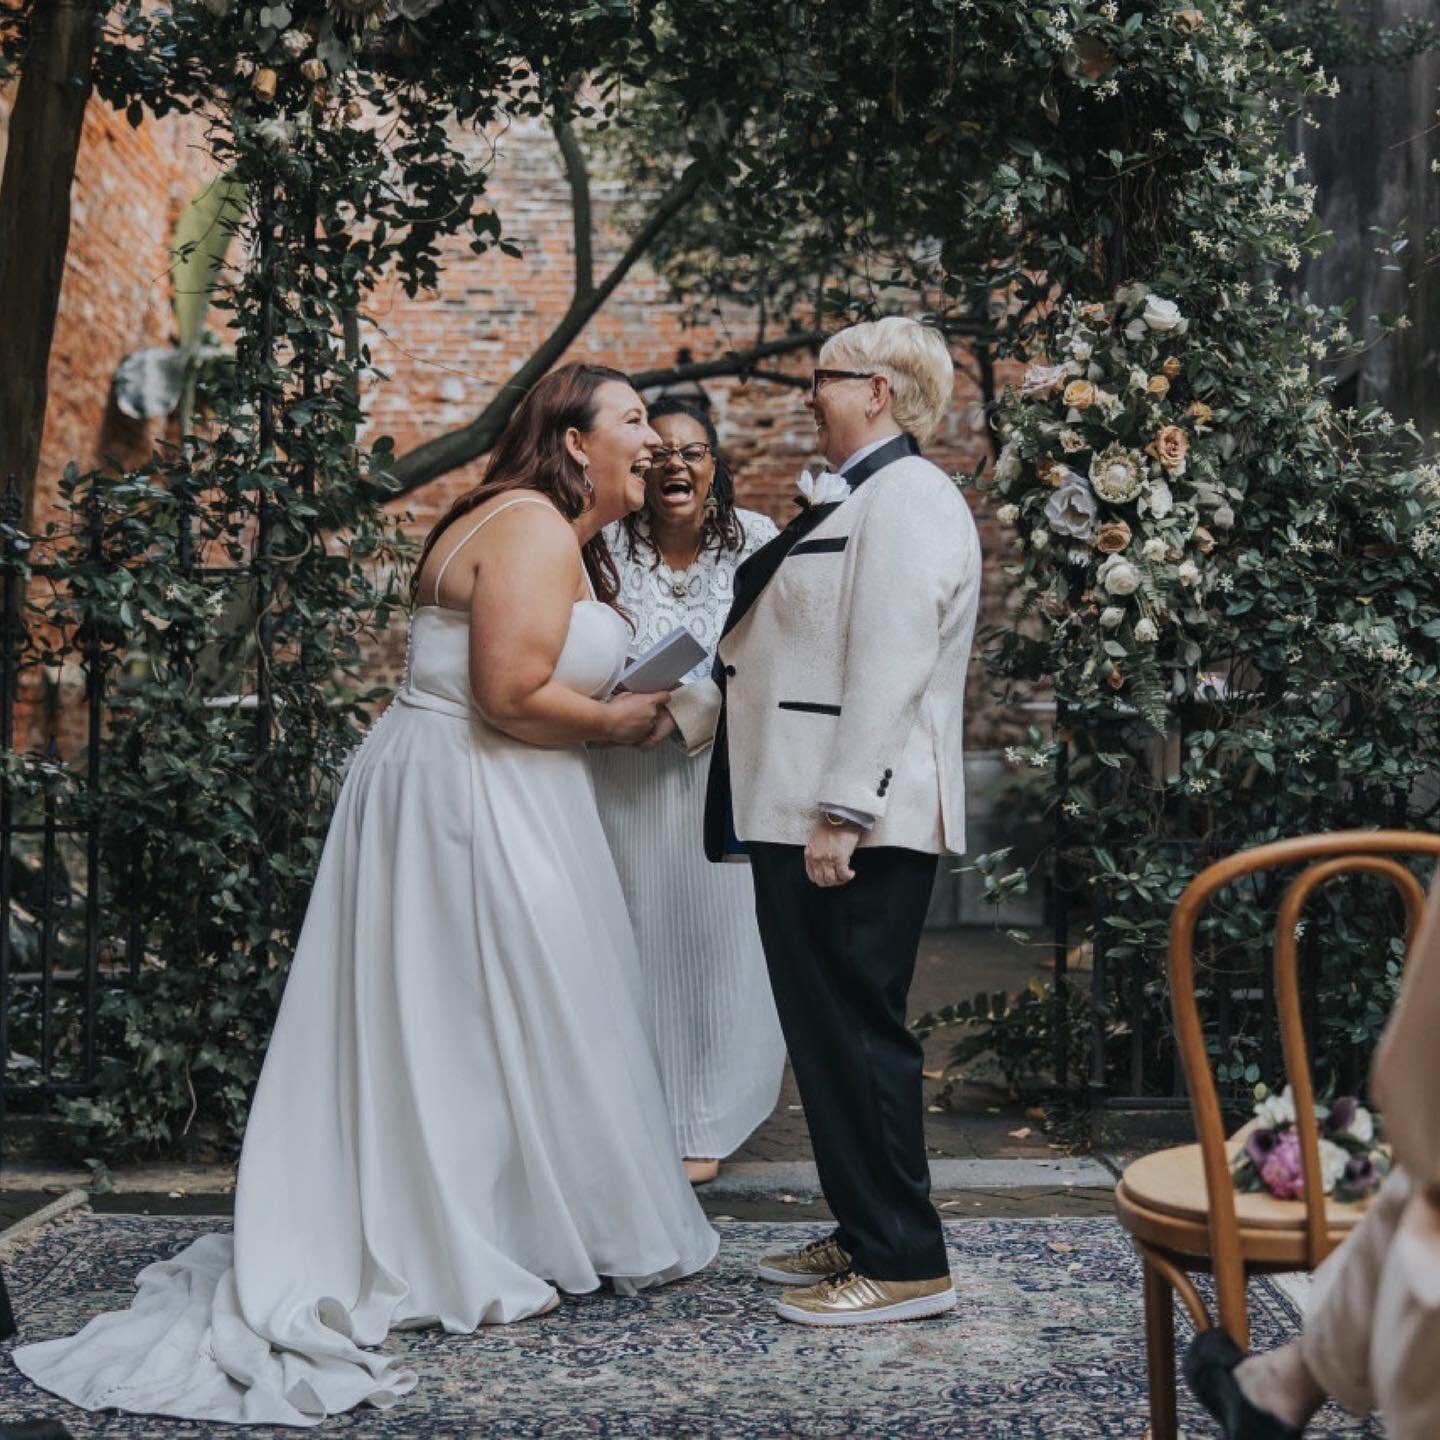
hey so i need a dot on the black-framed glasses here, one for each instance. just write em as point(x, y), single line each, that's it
point(819, 377)
point(691, 454)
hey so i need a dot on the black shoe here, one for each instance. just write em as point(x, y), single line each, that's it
point(1210, 1373)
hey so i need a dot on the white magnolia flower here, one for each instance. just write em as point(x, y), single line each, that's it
point(823, 487)
point(1111, 617)
point(1119, 576)
point(1333, 1161)
point(1276, 1110)
point(1158, 499)
point(1162, 316)
point(1188, 573)
point(1007, 467)
point(1117, 474)
point(1146, 632)
point(1154, 550)
point(1008, 514)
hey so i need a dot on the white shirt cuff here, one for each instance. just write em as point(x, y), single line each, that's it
point(856, 817)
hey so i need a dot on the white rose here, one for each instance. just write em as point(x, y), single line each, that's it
point(1146, 632)
point(1008, 514)
point(1362, 1126)
point(1119, 576)
point(1275, 1111)
point(1154, 550)
point(1007, 467)
point(1138, 379)
point(1188, 573)
point(1039, 538)
point(1162, 316)
point(1224, 517)
point(1333, 1161)
point(1111, 617)
point(1159, 499)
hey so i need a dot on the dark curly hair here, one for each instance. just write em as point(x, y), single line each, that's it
point(722, 529)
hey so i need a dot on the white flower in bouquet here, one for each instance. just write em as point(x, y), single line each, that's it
point(1119, 576)
point(1041, 380)
point(1039, 538)
point(1275, 1111)
point(1188, 573)
point(1138, 379)
point(1008, 514)
point(1111, 617)
point(1072, 509)
point(1361, 1126)
point(1117, 474)
point(1007, 466)
point(1224, 517)
point(1163, 316)
point(1146, 631)
point(1158, 499)
point(1334, 1160)
point(295, 43)
point(1081, 349)
point(1072, 442)
point(1130, 294)
point(275, 134)
point(1153, 550)
point(1078, 555)
point(1108, 403)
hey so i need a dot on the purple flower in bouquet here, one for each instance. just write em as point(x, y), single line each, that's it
point(1283, 1170)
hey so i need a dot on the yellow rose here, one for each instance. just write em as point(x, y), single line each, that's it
point(264, 84)
point(1200, 412)
point(1079, 395)
point(1169, 447)
point(1112, 537)
point(1171, 367)
point(1158, 386)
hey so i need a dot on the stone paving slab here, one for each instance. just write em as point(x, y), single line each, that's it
point(761, 1180)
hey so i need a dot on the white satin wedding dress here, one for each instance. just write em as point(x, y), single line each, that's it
point(460, 1109)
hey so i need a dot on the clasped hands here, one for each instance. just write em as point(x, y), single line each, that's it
point(640, 720)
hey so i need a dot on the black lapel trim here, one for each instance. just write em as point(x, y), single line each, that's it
point(829, 545)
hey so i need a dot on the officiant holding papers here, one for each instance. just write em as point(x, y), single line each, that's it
point(708, 1000)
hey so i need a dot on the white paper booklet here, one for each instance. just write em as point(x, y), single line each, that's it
point(664, 665)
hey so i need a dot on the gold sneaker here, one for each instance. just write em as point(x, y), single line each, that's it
point(806, 1265)
point(851, 1299)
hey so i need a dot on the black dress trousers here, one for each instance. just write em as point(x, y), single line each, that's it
point(841, 961)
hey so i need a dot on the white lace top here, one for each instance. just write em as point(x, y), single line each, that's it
point(659, 599)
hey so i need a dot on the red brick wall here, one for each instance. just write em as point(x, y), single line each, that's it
point(444, 354)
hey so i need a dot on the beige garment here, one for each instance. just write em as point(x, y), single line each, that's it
point(1372, 1335)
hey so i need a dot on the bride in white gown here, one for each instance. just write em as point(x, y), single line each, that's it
point(460, 1112)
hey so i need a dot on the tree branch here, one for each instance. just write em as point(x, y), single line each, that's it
point(458, 447)
point(732, 362)
point(579, 177)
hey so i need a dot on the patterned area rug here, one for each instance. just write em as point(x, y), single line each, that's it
point(1047, 1345)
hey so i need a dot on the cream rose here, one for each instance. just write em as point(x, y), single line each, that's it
point(1171, 368)
point(1188, 572)
point(1170, 446)
point(1145, 631)
point(1162, 316)
point(1158, 386)
point(1111, 617)
point(1200, 413)
point(1008, 514)
point(1079, 395)
point(1118, 576)
point(1007, 467)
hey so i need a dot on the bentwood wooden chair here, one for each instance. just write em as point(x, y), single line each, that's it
point(1180, 1206)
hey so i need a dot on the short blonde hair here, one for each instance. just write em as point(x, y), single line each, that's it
point(912, 357)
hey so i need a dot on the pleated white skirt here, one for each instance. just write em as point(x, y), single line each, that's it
point(707, 993)
point(459, 1112)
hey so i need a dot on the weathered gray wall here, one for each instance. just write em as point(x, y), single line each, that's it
point(1371, 160)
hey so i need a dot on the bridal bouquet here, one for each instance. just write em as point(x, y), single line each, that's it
point(1112, 474)
point(1352, 1161)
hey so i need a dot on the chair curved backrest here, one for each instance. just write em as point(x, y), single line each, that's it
point(1342, 852)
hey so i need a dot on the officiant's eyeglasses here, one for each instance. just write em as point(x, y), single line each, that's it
point(819, 377)
point(691, 454)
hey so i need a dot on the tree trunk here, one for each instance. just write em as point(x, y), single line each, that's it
point(44, 139)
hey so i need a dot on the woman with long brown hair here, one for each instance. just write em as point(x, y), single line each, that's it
point(460, 1113)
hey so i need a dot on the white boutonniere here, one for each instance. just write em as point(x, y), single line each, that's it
point(822, 488)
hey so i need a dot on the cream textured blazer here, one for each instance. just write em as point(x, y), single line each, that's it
point(845, 679)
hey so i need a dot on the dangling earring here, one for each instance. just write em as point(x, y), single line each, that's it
point(712, 506)
point(586, 481)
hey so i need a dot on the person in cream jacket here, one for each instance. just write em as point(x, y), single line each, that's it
point(835, 711)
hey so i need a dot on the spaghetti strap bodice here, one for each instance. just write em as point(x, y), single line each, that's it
point(480, 524)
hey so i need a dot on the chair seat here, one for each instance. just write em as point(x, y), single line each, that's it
point(1161, 1199)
